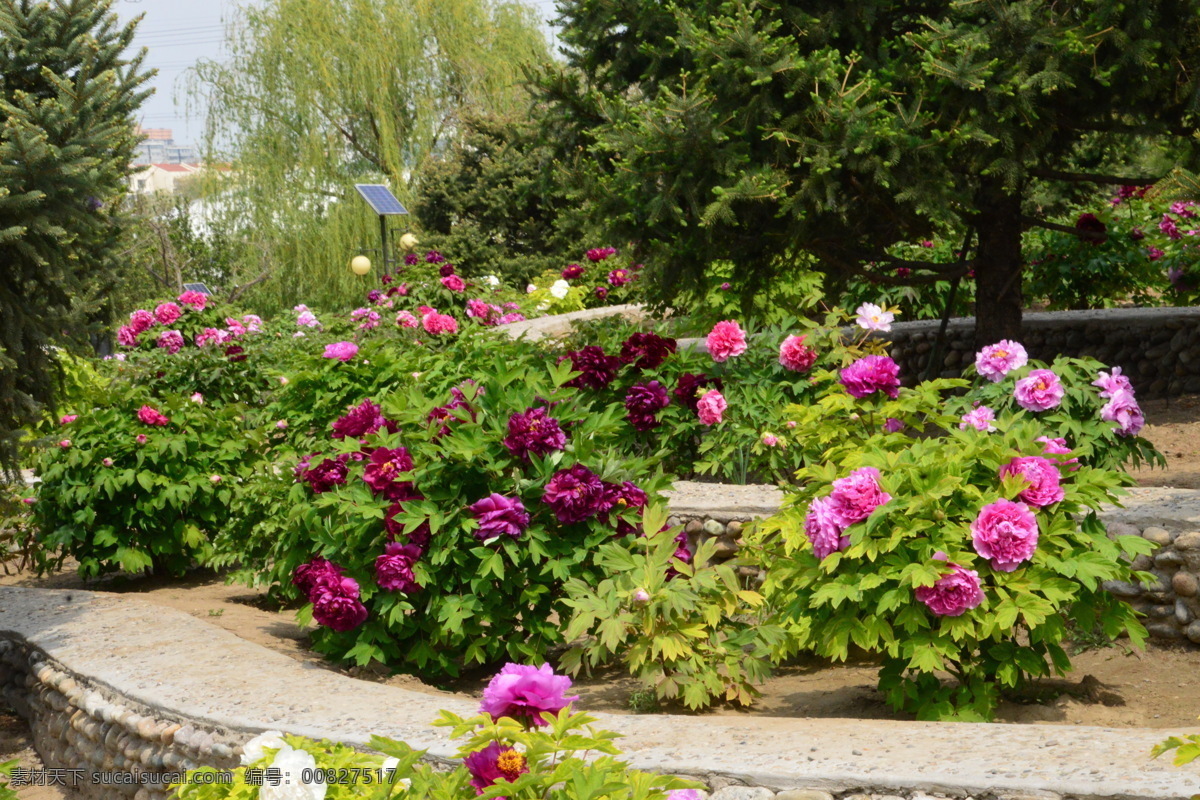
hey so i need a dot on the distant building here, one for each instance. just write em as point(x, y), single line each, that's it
point(151, 178)
point(158, 147)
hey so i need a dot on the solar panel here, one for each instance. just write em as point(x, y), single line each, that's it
point(380, 198)
point(197, 287)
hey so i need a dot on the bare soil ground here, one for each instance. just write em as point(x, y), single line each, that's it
point(1111, 686)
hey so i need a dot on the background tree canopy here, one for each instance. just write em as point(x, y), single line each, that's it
point(68, 92)
point(781, 135)
point(318, 95)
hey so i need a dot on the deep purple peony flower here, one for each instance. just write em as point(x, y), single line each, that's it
point(601, 292)
point(534, 431)
point(574, 494)
point(419, 536)
point(523, 693)
point(393, 568)
point(337, 605)
point(1043, 478)
point(619, 497)
point(434, 257)
point(446, 270)
point(643, 402)
point(572, 271)
point(600, 253)
point(316, 577)
point(383, 471)
point(598, 369)
point(872, 374)
point(499, 516)
point(954, 593)
point(359, 421)
point(1006, 533)
point(326, 475)
point(342, 351)
point(647, 350)
point(690, 383)
point(489, 765)
point(1096, 232)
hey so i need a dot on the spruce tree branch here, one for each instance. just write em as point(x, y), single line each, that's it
point(1091, 236)
point(1093, 177)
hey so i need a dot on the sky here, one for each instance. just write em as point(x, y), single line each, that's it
point(178, 33)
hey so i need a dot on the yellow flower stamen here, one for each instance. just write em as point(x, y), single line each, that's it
point(510, 763)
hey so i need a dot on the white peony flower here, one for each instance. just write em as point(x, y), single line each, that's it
point(873, 318)
point(291, 765)
point(491, 280)
point(530, 289)
point(559, 289)
point(255, 749)
point(389, 766)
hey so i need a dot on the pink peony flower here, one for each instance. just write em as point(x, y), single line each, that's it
point(281, 424)
point(235, 327)
point(198, 398)
point(855, 496)
point(727, 339)
point(405, 319)
point(214, 478)
point(253, 323)
point(196, 300)
point(493, 763)
point(108, 462)
point(641, 597)
point(499, 516)
point(454, 283)
point(67, 419)
point(1006, 533)
point(167, 313)
point(141, 320)
point(769, 439)
point(1123, 409)
point(141, 438)
point(211, 335)
point(873, 318)
point(1043, 477)
point(171, 341)
point(524, 693)
point(710, 407)
point(954, 593)
point(127, 336)
point(308, 319)
point(1058, 447)
point(151, 416)
point(1039, 390)
point(997, 360)
point(65, 444)
point(1111, 383)
point(979, 418)
point(393, 568)
point(823, 530)
point(795, 355)
point(508, 319)
point(872, 374)
point(435, 323)
point(342, 351)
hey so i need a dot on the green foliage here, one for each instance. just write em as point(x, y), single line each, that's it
point(1187, 748)
point(6, 769)
point(68, 93)
point(114, 503)
point(680, 628)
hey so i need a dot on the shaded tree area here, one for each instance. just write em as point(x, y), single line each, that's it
point(68, 92)
point(782, 136)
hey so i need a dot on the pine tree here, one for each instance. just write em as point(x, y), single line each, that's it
point(67, 96)
point(782, 134)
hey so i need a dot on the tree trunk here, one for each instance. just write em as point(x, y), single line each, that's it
point(998, 266)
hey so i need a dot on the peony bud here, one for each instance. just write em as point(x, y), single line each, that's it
point(198, 398)
point(641, 597)
point(281, 424)
point(64, 444)
point(108, 462)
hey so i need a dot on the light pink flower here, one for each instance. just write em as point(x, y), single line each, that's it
point(108, 462)
point(954, 593)
point(198, 398)
point(1006, 533)
point(308, 319)
point(1123, 409)
point(795, 355)
point(710, 407)
point(770, 439)
point(281, 424)
point(215, 478)
point(727, 339)
point(253, 323)
point(980, 419)
point(1043, 478)
point(873, 318)
point(342, 351)
point(997, 360)
point(1039, 390)
point(405, 319)
point(1111, 383)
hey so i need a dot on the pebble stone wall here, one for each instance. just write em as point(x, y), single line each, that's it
point(79, 726)
point(1159, 348)
point(1171, 602)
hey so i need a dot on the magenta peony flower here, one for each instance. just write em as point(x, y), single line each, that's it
point(726, 340)
point(687, 391)
point(872, 374)
point(141, 438)
point(331, 472)
point(196, 300)
point(1039, 390)
point(454, 283)
point(1153, 253)
point(1006, 533)
point(572, 271)
point(1123, 409)
point(338, 606)
point(710, 407)
point(359, 421)
point(524, 693)
point(235, 327)
point(647, 350)
point(1058, 447)
point(1043, 477)
point(618, 277)
point(435, 323)
point(622, 496)
point(954, 593)
point(434, 257)
point(574, 494)
point(67, 419)
point(499, 516)
point(167, 313)
point(855, 496)
point(643, 402)
point(597, 254)
point(141, 320)
point(494, 762)
point(1111, 383)
point(1168, 226)
point(534, 431)
point(597, 369)
point(65, 444)
point(510, 318)
point(393, 568)
point(418, 536)
point(979, 418)
point(823, 528)
point(342, 351)
point(171, 341)
point(152, 416)
point(383, 471)
point(315, 577)
point(795, 355)
point(366, 317)
point(127, 336)
point(997, 360)
point(601, 292)
point(893, 425)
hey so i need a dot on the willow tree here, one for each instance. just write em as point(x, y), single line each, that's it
point(317, 95)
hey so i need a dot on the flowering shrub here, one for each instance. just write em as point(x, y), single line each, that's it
point(543, 751)
point(143, 485)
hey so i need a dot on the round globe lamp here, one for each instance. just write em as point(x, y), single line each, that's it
point(360, 265)
point(409, 242)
